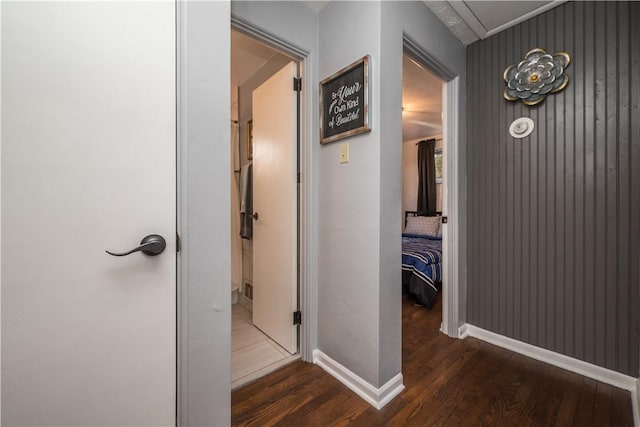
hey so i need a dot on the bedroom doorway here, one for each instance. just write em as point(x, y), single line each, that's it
point(422, 189)
point(264, 199)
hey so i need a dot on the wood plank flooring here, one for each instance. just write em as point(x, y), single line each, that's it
point(449, 382)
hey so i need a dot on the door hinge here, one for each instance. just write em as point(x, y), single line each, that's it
point(178, 242)
point(444, 219)
point(297, 84)
point(297, 317)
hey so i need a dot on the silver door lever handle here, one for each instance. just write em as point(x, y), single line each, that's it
point(152, 245)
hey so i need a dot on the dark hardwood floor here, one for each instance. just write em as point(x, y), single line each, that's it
point(449, 382)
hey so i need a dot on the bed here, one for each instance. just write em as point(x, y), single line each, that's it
point(421, 257)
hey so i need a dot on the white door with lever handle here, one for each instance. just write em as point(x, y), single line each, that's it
point(151, 245)
point(88, 165)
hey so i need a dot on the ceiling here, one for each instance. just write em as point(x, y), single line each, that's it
point(247, 57)
point(421, 102)
point(474, 20)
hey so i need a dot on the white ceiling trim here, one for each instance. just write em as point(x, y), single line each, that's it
point(452, 20)
point(529, 15)
point(471, 28)
point(469, 17)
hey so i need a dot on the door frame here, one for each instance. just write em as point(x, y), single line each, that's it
point(451, 182)
point(306, 215)
point(204, 294)
point(204, 270)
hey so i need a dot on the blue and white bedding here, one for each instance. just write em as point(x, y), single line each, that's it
point(421, 266)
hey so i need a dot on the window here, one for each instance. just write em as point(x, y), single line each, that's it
point(438, 159)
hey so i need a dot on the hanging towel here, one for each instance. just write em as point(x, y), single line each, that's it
point(246, 202)
point(236, 241)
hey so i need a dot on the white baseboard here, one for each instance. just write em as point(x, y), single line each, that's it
point(635, 403)
point(376, 397)
point(462, 331)
point(234, 295)
point(578, 366)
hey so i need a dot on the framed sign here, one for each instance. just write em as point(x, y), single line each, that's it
point(344, 102)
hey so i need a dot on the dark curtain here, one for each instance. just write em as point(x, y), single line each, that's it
point(427, 176)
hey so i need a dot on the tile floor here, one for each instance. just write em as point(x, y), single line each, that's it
point(252, 352)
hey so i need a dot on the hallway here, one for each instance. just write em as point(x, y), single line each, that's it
point(448, 382)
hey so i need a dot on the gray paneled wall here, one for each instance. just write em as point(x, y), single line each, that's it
point(554, 218)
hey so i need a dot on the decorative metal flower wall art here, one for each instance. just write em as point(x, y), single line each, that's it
point(537, 75)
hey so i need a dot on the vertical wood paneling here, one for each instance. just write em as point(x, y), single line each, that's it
point(579, 84)
point(554, 232)
point(589, 206)
point(633, 289)
point(624, 184)
point(510, 182)
point(518, 304)
point(502, 243)
point(496, 225)
point(599, 179)
point(525, 194)
point(559, 197)
point(611, 178)
point(567, 265)
point(549, 195)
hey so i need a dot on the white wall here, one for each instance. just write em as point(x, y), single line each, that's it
point(409, 175)
point(439, 144)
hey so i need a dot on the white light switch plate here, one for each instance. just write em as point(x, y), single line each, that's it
point(344, 152)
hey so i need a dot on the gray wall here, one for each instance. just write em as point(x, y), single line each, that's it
point(555, 217)
point(349, 201)
point(359, 302)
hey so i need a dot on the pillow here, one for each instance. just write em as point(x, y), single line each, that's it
point(425, 225)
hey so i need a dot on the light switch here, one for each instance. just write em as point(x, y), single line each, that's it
point(344, 152)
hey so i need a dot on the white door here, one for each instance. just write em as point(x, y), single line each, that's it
point(275, 202)
point(88, 165)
